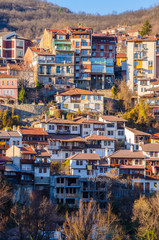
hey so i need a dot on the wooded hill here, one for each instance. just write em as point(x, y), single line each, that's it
point(30, 17)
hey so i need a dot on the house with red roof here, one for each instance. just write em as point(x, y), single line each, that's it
point(79, 99)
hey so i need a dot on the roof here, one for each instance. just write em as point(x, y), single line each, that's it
point(9, 134)
point(121, 55)
point(127, 154)
point(5, 33)
point(5, 159)
point(99, 137)
point(58, 120)
point(85, 156)
point(11, 168)
point(41, 51)
point(111, 118)
point(58, 31)
point(27, 150)
point(32, 131)
point(132, 167)
point(85, 120)
point(42, 153)
point(153, 89)
point(144, 39)
point(4, 75)
point(77, 91)
point(150, 147)
point(137, 132)
point(156, 135)
point(66, 138)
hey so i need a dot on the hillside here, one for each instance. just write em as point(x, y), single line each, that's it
point(30, 17)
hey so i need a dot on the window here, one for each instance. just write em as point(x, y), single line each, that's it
point(110, 47)
point(48, 69)
point(41, 70)
point(84, 52)
point(19, 43)
point(40, 170)
point(61, 37)
point(74, 128)
point(77, 75)
point(120, 133)
point(45, 170)
point(110, 54)
point(82, 97)
point(7, 82)
point(149, 71)
point(2, 82)
point(89, 97)
point(102, 54)
point(84, 59)
point(136, 63)
point(77, 44)
point(150, 63)
point(77, 60)
point(94, 47)
point(12, 82)
point(84, 44)
point(76, 105)
point(101, 47)
point(77, 162)
point(77, 68)
point(93, 54)
point(58, 69)
point(77, 51)
point(11, 92)
point(97, 106)
point(110, 133)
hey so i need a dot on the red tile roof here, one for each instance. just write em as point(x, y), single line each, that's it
point(42, 153)
point(40, 51)
point(121, 55)
point(111, 118)
point(144, 39)
point(66, 138)
point(62, 121)
point(85, 120)
point(3, 75)
point(150, 147)
point(85, 156)
point(77, 91)
point(156, 135)
point(27, 150)
point(137, 132)
point(32, 131)
point(99, 137)
point(127, 154)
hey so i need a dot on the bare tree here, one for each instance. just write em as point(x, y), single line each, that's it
point(90, 223)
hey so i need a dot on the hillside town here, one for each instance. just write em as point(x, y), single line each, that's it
point(77, 108)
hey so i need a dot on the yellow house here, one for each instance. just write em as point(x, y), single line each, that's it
point(120, 57)
point(155, 138)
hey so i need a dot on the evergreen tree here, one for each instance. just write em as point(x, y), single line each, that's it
point(146, 28)
point(22, 95)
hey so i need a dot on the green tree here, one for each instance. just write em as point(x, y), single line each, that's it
point(22, 95)
point(5, 118)
point(146, 28)
point(114, 91)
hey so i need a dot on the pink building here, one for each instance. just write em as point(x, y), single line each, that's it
point(8, 89)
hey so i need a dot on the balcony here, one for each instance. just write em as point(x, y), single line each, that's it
point(94, 145)
point(63, 131)
point(86, 47)
point(65, 74)
point(4, 147)
point(85, 54)
point(75, 101)
point(65, 48)
point(72, 147)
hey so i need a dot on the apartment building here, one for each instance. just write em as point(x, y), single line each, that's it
point(103, 61)
point(78, 99)
point(58, 42)
point(8, 89)
point(43, 64)
point(12, 47)
point(141, 62)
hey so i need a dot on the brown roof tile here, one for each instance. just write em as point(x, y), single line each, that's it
point(127, 154)
point(32, 131)
point(150, 147)
point(27, 150)
point(111, 118)
point(66, 138)
point(137, 132)
point(77, 91)
point(99, 137)
point(85, 156)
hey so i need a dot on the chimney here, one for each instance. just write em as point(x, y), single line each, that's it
point(46, 117)
point(14, 128)
point(88, 117)
point(132, 148)
point(6, 129)
point(98, 132)
point(94, 151)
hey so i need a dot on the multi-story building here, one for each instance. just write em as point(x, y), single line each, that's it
point(103, 61)
point(78, 99)
point(12, 47)
point(43, 64)
point(35, 137)
point(141, 61)
point(81, 40)
point(58, 42)
point(8, 139)
point(135, 138)
point(114, 127)
point(8, 89)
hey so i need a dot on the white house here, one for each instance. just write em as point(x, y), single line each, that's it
point(78, 99)
point(135, 137)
